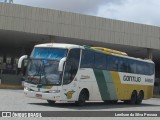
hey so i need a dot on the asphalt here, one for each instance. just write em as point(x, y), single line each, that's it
point(15, 100)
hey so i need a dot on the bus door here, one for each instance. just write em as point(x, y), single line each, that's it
point(70, 79)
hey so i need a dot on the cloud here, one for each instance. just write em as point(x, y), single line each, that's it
point(139, 11)
point(79, 6)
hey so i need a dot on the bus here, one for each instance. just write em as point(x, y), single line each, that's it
point(68, 73)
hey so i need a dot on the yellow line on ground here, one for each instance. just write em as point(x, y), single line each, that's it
point(11, 86)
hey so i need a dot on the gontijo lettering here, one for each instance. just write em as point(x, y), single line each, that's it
point(131, 78)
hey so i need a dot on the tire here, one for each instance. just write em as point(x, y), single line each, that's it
point(107, 101)
point(126, 101)
point(50, 102)
point(140, 97)
point(114, 101)
point(133, 98)
point(82, 98)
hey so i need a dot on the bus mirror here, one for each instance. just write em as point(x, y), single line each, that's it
point(61, 63)
point(21, 60)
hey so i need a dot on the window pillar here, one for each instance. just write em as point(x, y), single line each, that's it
point(52, 39)
point(149, 53)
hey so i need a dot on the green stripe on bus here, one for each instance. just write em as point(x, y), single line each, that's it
point(101, 84)
point(110, 85)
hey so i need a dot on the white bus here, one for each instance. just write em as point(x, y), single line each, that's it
point(72, 73)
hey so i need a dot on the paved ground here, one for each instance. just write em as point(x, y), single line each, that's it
point(14, 100)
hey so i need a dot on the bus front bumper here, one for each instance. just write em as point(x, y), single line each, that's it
point(42, 95)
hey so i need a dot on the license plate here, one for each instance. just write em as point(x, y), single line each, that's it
point(38, 95)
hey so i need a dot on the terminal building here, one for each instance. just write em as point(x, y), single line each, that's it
point(22, 27)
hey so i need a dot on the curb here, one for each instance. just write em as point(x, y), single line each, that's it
point(156, 96)
point(7, 86)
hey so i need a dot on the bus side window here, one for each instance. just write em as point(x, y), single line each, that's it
point(113, 63)
point(100, 61)
point(123, 65)
point(151, 69)
point(71, 67)
point(87, 60)
point(131, 66)
point(140, 68)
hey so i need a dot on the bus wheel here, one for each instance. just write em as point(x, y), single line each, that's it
point(51, 102)
point(133, 98)
point(126, 101)
point(107, 101)
point(82, 98)
point(114, 101)
point(140, 97)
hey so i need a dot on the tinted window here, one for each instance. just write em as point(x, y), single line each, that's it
point(151, 69)
point(51, 53)
point(131, 66)
point(123, 65)
point(146, 68)
point(113, 63)
point(71, 65)
point(92, 59)
point(87, 60)
point(100, 61)
point(140, 68)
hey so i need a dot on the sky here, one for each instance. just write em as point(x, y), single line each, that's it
point(138, 11)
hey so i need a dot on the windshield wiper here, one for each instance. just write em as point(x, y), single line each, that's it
point(32, 77)
point(43, 73)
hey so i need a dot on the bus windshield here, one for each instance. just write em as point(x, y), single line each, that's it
point(43, 65)
point(48, 53)
point(42, 71)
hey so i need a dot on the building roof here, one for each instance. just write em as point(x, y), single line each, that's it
point(51, 22)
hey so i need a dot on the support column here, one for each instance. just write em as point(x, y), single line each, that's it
point(52, 39)
point(149, 53)
point(23, 51)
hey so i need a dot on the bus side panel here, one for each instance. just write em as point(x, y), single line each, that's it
point(87, 80)
point(108, 85)
point(149, 91)
point(124, 91)
point(105, 85)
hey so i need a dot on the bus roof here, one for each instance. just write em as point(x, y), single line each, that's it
point(107, 50)
point(118, 53)
point(58, 45)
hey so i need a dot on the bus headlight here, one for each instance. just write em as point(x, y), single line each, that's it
point(26, 88)
point(54, 91)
